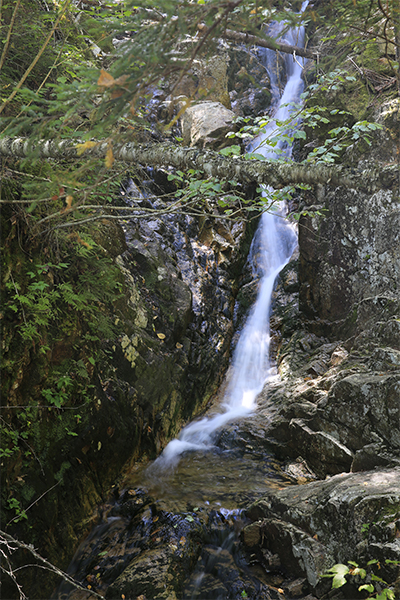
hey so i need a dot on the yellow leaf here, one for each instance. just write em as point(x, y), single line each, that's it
point(161, 336)
point(80, 148)
point(68, 202)
point(121, 80)
point(182, 541)
point(109, 158)
point(105, 79)
point(178, 346)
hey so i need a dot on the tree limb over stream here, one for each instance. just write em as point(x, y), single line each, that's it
point(213, 164)
point(264, 42)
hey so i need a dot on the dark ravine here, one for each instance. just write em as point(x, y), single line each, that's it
point(161, 371)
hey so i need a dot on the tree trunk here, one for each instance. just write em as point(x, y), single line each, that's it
point(253, 40)
point(212, 164)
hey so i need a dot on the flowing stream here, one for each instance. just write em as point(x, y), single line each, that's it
point(211, 470)
point(272, 247)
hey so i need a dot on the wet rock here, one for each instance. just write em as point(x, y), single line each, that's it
point(294, 589)
point(148, 575)
point(248, 83)
point(207, 586)
point(251, 535)
point(319, 524)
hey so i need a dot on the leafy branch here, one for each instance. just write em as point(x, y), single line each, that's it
point(375, 586)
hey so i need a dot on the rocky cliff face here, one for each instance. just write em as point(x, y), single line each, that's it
point(180, 277)
point(334, 415)
point(346, 395)
point(338, 405)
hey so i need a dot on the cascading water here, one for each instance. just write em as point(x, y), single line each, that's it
point(272, 247)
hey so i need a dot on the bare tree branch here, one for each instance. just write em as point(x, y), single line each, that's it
point(254, 40)
point(6, 540)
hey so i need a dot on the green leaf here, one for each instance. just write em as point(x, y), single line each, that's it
point(376, 578)
point(359, 571)
point(254, 156)
point(386, 595)
point(69, 432)
point(338, 572)
point(368, 587)
point(230, 151)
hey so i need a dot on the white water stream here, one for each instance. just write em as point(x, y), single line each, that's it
point(272, 247)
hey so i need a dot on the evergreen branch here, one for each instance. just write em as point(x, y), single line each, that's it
point(36, 59)
point(9, 32)
point(231, 6)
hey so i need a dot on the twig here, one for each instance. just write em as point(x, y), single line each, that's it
point(26, 443)
point(16, 291)
point(37, 500)
point(5, 538)
point(9, 32)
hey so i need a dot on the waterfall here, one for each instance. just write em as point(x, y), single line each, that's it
point(272, 247)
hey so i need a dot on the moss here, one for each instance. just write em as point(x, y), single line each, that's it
point(372, 56)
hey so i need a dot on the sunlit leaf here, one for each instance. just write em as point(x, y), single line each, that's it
point(81, 148)
point(109, 158)
point(105, 79)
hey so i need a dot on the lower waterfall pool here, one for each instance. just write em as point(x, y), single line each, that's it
point(183, 525)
